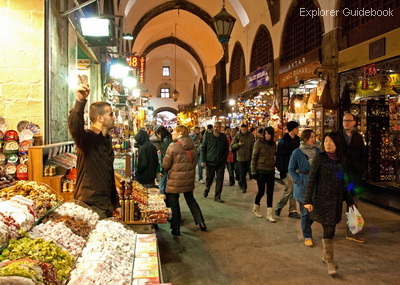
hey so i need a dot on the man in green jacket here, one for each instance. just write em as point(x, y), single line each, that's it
point(243, 144)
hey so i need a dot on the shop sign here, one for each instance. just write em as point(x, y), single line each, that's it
point(260, 77)
point(302, 73)
point(138, 63)
point(300, 61)
point(378, 86)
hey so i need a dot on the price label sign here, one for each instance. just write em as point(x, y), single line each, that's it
point(138, 63)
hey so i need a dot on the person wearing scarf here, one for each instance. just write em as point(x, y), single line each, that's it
point(325, 192)
point(299, 169)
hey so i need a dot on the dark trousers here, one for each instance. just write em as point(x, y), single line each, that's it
point(329, 231)
point(244, 167)
point(233, 172)
point(219, 170)
point(265, 179)
point(173, 200)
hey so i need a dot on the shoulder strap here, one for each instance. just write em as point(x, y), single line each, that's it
point(187, 152)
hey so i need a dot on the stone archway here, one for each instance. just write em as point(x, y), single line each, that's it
point(168, 109)
point(166, 116)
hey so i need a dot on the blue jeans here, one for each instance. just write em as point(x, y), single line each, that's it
point(163, 183)
point(306, 222)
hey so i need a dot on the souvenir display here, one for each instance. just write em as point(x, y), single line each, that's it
point(11, 135)
point(23, 147)
point(22, 125)
point(2, 158)
point(10, 169)
point(10, 147)
point(12, 158)
point(22, 171)
point(26, 135)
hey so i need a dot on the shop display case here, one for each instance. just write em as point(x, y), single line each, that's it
point(123, 164)
point(38, 155)
point(326, 120)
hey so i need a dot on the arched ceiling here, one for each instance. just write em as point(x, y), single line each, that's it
point(153, 23)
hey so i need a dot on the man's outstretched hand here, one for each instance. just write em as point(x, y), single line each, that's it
point(82, 92)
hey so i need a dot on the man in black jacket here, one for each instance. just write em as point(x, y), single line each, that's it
point(286, 146)
point(356, 154)
point(147, 162)
point(214, 150)
point(95, 183)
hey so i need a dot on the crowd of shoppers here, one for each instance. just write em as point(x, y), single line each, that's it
point(318, 180)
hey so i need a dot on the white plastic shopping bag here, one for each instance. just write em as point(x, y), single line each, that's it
point(354, 220)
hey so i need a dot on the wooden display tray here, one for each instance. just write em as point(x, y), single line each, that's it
point(37, 155)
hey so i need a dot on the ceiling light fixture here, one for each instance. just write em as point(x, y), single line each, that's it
point(127, 36)
point(223, 23)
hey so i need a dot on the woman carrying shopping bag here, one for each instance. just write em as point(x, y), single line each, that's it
point(326, 190)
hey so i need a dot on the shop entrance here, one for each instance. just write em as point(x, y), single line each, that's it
point(378, 123)
point(165, 117)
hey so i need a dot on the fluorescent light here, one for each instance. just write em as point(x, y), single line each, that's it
point(95, 27)
point(119, 71)
point(130, 82)
point(136, 93)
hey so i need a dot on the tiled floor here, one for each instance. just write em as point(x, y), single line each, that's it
point(239, 248)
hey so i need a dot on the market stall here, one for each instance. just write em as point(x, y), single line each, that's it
point(56, 242)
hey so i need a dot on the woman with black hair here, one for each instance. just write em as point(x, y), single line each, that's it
point(326, 190)
point(263, 169)
point(165, 137)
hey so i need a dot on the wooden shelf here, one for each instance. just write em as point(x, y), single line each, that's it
point(38, 155)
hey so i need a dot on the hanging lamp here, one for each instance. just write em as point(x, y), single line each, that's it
point(175, 93)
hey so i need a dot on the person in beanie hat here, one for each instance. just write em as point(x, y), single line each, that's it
point(291, 126)
point(263, 169)
point(286, 146)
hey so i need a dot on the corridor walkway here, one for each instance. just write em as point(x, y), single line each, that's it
point(239, 248)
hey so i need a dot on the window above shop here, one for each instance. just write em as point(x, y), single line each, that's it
point(166, 71)
point(164, 93)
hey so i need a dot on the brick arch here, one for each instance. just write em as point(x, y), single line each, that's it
point(180, 43)
point(262, 51)
point(301, 30)
point(172, 5)
point(238, 67)
point(168, 109)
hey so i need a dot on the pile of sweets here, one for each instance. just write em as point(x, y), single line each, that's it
point(78, 212)
point(18, 213)
point(6, 180)
point(42, 196)
point(156, 210)
point(61, 235)
point(40, 250)
point(107, 257)
point(27, 271)
point(139, 194)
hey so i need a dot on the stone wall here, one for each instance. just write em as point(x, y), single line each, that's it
point(22, 61)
